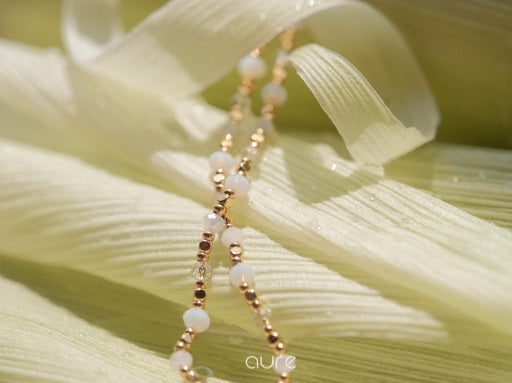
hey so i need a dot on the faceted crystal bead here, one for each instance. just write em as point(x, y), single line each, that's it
point(274, 93)
point(221, 160)
point(197, 319)
point(241, 272)
point(239, 184)
point(253, 67)
point(213, 222)
point(201, 271)
point(232, 234)
point(261, 315)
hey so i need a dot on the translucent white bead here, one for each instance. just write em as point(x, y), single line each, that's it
point(284, 363)
point(261, 316)
point(197, 319)
point(180, 359)
point(282, 58)
point(241, 272)
point(213, 222)
point(250, 152)
point(221, 160)
point(265, 124)
point(251, 66)
point(232, 234)
point(201, 271)
point(274, 93)
point(239, 184)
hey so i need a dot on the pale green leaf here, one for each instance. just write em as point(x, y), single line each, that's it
point(370, 130)
point(89, 26)
point(145, 238)
point(106, 332)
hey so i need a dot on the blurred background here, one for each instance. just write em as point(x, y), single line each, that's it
point(463, 46)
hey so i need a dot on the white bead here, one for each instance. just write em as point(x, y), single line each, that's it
point(232, 234)
point(241, 272)
point(239, 184)
point(253, 67)
point(197, 319)
point(282, 58)
point(213, 222)
point(221, 160)
point(180, 359)
point(274, 93)
point(265, 124)
point(284, 363)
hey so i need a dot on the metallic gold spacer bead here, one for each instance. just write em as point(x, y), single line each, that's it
point(268, 328)
point(250, 295)
point(202, 256)
point(219, 209)
point(218, 178)
point(255, 305)
point(208, 236)
point(273, 338)
point(205, 246)
point(200, 294)
point(183, 371)
point(243, 286)
point(236, 260)
point(192, 376)
point(279, 348)
point(180, 345)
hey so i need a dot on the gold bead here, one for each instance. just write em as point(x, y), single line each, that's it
point(200, 294)
point(279, 348)
point(183, 371)
point(236, 260)
point(190, 331)
point(192, 376)
point(205, 246)
point(268, 327)
point(273, 337)
point(255, 305)
point(243, 286)
point(180, 345)
point(198, 303)
point(236, 249)
point(250, 295)
point(202, 256)
point(219, 209)
point(208, 236)
point(218, 178)
point(259, 138)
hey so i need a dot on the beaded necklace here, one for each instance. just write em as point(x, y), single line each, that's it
point(228, 186)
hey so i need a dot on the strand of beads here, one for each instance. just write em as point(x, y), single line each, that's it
point(196, 318)
point(241, 274)
point(251, 67)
